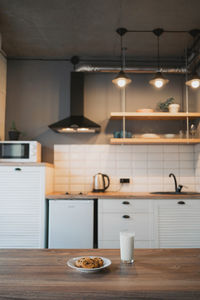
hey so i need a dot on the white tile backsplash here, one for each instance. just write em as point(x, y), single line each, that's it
point(148, 167)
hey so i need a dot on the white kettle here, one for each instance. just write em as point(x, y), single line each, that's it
point(99, 183)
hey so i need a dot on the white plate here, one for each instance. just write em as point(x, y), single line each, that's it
point(169, 135)
point(150, 136)
point(71, 264)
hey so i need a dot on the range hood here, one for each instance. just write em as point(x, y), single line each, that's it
point(76, 122)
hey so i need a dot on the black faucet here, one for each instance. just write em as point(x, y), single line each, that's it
point(177, 188)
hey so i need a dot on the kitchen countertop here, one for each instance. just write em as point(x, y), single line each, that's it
point(121, 195)
point(26, 164)
point(156, 274)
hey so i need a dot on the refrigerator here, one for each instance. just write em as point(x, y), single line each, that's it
point(72, 224)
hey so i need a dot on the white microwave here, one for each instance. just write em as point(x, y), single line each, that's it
point(20, 151)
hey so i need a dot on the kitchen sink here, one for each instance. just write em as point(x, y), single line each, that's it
point(174, 193)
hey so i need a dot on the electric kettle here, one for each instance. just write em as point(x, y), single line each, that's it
point(99, 184)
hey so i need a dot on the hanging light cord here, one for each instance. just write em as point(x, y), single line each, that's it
point(158, 52)
point(123, 49)
point(122, 54)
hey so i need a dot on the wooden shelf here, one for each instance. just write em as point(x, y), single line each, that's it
point(135, 141)
point(153, 116)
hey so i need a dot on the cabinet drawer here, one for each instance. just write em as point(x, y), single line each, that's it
point(124, 205)
point(19, 169)
point(110, 226)
point(179, 203)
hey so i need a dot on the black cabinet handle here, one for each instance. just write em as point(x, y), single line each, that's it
point(125, 202)
point(18, 169)
point(126, 217)
point(181, 202)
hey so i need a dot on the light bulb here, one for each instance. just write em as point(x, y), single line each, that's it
point(121, 82)
point(195, 84)
point(158, 83)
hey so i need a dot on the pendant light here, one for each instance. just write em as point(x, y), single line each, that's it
point(158, 80)
point(194, 79)
point(122, 80)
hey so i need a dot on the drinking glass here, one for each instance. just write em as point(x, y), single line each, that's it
point(127, 247)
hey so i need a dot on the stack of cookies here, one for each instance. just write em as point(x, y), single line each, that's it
point(89, 263)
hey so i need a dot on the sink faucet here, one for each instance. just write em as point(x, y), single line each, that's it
point(177, 188)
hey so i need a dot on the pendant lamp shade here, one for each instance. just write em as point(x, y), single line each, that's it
point(121, 80)
point(194, 81)
point(158, 80)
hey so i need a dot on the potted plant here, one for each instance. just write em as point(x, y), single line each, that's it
point(13, 132)
point(164, 106)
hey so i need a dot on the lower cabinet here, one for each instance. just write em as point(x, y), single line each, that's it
point(22, 206)
point(117, 215)
point(177, 223)
point(162, 223)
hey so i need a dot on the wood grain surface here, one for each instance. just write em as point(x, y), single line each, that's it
point(122, 195)
point(156, 274)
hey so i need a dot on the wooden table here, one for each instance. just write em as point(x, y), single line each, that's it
point(156, 274)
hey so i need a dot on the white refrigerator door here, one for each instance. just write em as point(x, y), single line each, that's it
point(71, 224)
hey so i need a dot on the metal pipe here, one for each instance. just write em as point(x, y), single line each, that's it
point(112, 69)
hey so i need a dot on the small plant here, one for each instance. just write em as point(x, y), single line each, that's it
point(13, 127)
point(14, 133)
point(164, 106)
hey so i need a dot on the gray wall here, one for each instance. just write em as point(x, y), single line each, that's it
point(38, 95)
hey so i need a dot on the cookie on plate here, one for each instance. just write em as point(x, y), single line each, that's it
point(99, 261)
point(89, 263)
point(79, 262)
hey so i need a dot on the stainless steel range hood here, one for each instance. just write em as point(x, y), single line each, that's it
point(76, 122)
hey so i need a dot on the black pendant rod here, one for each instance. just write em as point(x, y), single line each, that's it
point(122, 31)
point(158, 52)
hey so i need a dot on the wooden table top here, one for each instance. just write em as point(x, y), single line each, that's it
point(156, 274)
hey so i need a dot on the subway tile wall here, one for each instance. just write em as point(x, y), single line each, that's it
point(147, 166)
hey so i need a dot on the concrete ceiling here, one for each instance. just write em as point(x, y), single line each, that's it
point(59, 29)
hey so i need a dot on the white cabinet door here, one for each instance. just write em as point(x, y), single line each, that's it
point(117, 215)
point(178, 223)
point(21, 207)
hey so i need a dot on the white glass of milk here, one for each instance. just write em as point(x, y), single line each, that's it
point(127, 247)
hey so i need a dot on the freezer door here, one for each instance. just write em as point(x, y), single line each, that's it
point(71, 224)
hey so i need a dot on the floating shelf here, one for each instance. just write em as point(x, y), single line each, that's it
point(135, 141)
point(153, 116)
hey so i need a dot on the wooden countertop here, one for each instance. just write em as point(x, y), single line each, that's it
point(121, 195)
point(156, 274)
point(26, 164)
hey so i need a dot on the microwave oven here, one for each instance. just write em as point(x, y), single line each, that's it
point(20, 151)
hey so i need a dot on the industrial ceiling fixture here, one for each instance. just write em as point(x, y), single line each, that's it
point(122, 80)
point(159, 80)
point(194, 79)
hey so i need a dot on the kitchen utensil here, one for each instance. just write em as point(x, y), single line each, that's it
point(99, 184)
point(128, 134)
point(116, 134)
point(193, 130)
